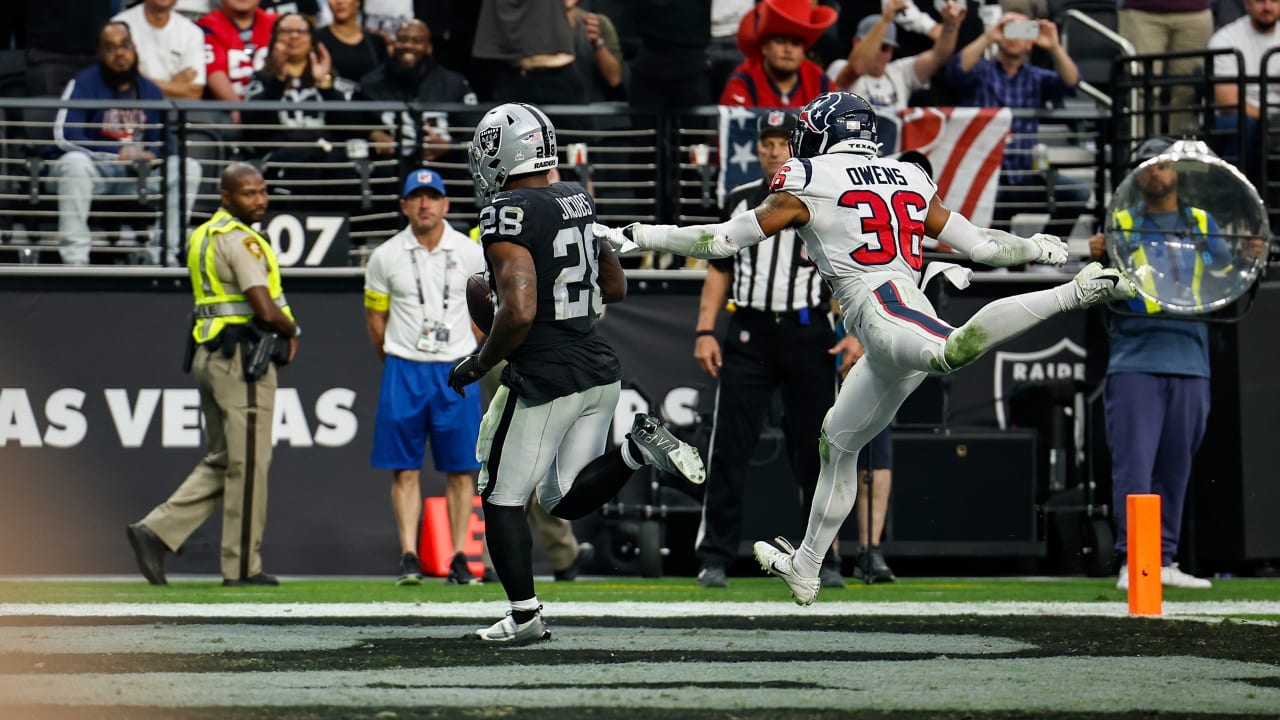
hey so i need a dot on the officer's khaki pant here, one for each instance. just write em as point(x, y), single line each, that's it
point(238, 417)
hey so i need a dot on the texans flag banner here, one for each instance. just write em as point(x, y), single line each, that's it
point(965, 145)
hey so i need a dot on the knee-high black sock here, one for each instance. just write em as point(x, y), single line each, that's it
point(600, 480)
point(510, 548)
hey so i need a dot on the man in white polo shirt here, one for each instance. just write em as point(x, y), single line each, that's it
point(415, 300)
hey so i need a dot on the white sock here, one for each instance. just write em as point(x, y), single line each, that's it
point(530, 605)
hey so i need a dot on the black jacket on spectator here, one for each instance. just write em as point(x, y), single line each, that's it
point(437, 84)
point(297, 125)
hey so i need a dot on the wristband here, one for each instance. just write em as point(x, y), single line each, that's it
point(705, 333)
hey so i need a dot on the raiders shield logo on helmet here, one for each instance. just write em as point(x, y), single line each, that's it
point(490, 139)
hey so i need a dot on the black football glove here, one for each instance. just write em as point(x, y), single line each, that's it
point(464, 372)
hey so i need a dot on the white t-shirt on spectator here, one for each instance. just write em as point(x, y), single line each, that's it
point(888, 93)
point(1240, 35)
point(167, 51)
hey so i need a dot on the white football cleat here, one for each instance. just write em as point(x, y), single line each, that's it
point(778, 563)
point(1096, 284)
point(507, 630)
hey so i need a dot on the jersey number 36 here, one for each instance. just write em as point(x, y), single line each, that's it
point(881, 219)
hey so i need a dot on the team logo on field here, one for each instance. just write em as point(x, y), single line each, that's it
point(1062, 361)
point(490, 139)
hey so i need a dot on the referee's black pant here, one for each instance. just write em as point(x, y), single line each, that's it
point(762, 353)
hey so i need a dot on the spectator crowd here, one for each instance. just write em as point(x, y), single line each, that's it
point(651, 54)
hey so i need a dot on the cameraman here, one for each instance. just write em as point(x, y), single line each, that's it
point(239, 304)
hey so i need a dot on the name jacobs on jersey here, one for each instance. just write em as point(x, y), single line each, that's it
point(575, 206)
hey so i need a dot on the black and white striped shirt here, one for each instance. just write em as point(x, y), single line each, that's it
point(775, 275)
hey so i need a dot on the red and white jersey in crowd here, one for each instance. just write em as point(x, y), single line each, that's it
point(866, 215)
point(238, 53)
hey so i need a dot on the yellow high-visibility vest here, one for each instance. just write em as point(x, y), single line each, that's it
point(1124, 221)
point(215, 308)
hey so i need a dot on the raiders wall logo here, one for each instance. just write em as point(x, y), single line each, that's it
point(1064, 360)
point(490, 139)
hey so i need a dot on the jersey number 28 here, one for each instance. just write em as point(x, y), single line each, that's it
point(881, 218)
point(577, 287)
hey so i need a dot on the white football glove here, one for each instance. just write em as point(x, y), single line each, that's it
point(1053, 251)
point(618, 238)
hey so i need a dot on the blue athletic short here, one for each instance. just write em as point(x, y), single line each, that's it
point(415, 401)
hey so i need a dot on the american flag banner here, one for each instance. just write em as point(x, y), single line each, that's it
point(965, 145)
point(738, 160)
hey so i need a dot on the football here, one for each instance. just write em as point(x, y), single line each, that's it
point(480, 302)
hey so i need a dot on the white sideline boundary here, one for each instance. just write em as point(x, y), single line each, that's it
point(1172, 610)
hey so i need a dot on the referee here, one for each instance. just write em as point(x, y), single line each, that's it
point(780, 338)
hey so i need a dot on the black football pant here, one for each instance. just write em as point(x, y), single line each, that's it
point(764, 353)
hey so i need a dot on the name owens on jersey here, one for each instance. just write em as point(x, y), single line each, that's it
point(562, 354)
point(865, 214)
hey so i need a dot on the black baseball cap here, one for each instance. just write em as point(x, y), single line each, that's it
point(775, 121)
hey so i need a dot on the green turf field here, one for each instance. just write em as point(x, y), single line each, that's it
point(613, 589)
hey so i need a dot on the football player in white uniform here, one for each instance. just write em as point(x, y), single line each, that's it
point(862, 219)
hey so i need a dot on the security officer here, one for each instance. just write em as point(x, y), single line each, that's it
point(238, 301)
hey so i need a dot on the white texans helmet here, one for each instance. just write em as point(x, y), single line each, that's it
point(511, 139)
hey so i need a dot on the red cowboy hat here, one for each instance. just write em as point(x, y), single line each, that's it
point(768, 18)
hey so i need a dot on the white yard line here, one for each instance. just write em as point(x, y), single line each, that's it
point(1172, 610)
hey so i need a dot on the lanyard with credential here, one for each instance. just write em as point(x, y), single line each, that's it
point(417, 279)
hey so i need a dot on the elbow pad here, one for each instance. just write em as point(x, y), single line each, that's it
point(962, 235)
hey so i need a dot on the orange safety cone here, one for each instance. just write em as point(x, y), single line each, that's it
point(435, 543)
point(1146, 594)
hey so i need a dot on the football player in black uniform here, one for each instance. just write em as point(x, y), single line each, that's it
point(547, 427)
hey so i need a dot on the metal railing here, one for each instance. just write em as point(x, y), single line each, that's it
point(639, 165)
point(1123, 47)
point(1225, 127)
